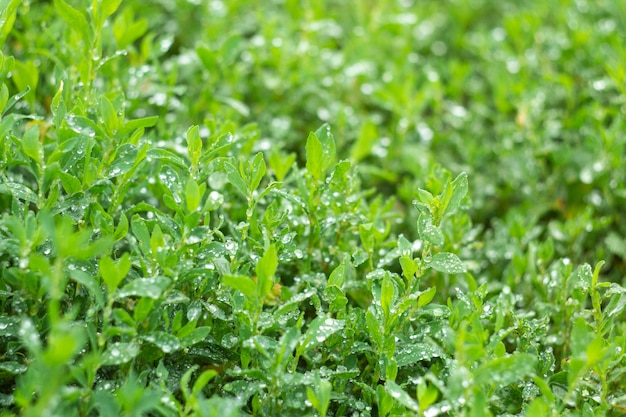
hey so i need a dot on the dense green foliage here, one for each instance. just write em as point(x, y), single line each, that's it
point(323, 207)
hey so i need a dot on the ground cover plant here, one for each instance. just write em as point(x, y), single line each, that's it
point(319, 208)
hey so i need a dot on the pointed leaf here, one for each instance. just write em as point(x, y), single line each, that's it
point(246, 285)
point(314, 157)
point(448, 263)
point(506, 370)
point(459, 190)
point(265, 270)
point(428, 231)
point(235, 178)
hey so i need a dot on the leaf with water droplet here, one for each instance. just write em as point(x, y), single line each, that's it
point(314, 157)
point(120, 352)
point(19, 191)
point(413, 353)
point(167, 342)
point(428, 231)
point(235, 178)
point(447, 262)
point(319, 330)
point(12, 368)
point(506, 370)
point(458, 189)
point(124, 160)
point(167, 157)
point(401, 396)
point(9, 325)
point(152, 287)
point(257, 171)
point(197, 335)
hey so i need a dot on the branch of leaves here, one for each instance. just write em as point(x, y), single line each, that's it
point(432, 210)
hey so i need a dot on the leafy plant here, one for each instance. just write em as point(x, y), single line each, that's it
point(320, 208)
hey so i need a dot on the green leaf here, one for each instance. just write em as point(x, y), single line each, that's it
point(62, 344)
point(194, 144)
point(428, 231)
point(142, 122)
point(320, 396)
point(426, 297)
point(31, 144)
point(109, 116)
point(197, 335)
point(384, 401)
point(235, 178)
point(152, 287)
point(368, 238)
point(314, 157)
point(506, 370)
point(4, 97)
point(258, 171)
point(401, 396)
point(338, 276)
point(14, 99)
point(26, 77)
point(113, 273)
point(141, 232)
point(192, 195)
point(120, 352)
point(8, 9)
point(448, 263)
point(91, 283)
point(201, 382)
point(319, 330)
point(75, 19)
point(19, 191)
point(167, 342)
point(230, 48)
point(409, 266)
point(124, 160)
point(373, 327)
point(426, 394)
point(413, 353)
point(459, 188)
point(336, 298)
point(265, 270)
point(581, 338)
point(142, 309)
point(366, 139)
point(281, 163)
point(207, 57)
point(246, 285)
point(327, 140)
point(122, 228)
point(157, 240)
point(108, 7)
point(386, 295)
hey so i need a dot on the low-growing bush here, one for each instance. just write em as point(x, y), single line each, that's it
point(325, 208)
